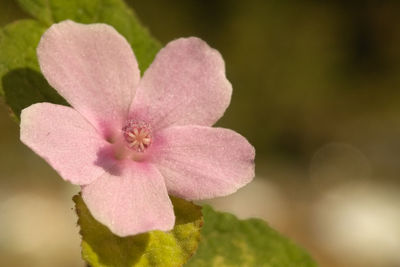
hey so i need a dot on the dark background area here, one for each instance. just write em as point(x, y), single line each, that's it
point(316, 91)
point(303, 71)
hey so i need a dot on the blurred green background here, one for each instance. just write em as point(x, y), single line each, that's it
point(316, 91)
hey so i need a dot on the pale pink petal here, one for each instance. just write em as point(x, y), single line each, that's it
point(61, 136)
point(186, 84)
point(93, 68)
point(131, 200)
point(200, 162)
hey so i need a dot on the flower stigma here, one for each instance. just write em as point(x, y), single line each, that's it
point(137, 135)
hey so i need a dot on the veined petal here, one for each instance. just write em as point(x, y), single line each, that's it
point(93, 68)
point(186, 84)
point(65, 139)
point(132, 201)
point(200, 162)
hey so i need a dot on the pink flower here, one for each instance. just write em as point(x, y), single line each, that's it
point(131, 141)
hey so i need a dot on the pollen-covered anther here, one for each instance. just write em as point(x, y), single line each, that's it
point(137, 135)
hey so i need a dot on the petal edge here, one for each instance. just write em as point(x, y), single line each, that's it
point(93, 67)
point(132, 203)
point(200, 162)
point(185, 84)
point(61, 136)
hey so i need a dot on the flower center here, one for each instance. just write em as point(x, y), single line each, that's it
point(137, 135)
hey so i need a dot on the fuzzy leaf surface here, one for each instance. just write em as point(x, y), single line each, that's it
point(228, 241)
point(101, 248)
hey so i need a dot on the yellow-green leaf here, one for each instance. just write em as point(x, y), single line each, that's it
point(101, 248)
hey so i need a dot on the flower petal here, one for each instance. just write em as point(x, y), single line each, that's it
point(186, 84)
point(93, 68)
point(200, 162)
point(131, 202)
point(61, 136)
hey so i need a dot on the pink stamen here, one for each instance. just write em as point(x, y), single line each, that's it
point(137, 135)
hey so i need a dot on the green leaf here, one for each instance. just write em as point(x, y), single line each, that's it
point(100, 247)
point(39, 9)
point(228, 241)
point(21, 83)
